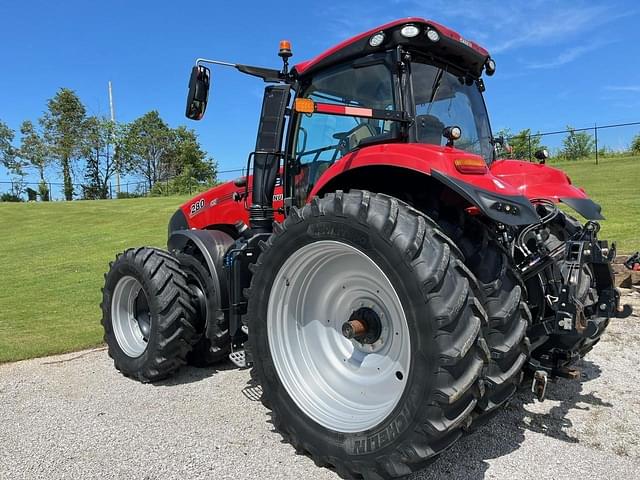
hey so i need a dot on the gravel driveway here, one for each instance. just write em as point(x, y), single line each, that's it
point(74, 416)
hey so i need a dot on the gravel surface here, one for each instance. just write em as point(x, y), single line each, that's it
point(74, 416)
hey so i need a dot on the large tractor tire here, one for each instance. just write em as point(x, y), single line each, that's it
point(503, 298)
point(384, 402)
point(212, 343)
point(147, 314)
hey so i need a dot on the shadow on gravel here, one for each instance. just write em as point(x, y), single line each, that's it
point(505, 432)
point(191, 374)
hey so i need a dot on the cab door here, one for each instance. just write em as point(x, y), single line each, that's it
point(319, 139)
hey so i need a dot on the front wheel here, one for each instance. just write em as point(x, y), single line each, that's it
point(365, 335)
point(147, 314)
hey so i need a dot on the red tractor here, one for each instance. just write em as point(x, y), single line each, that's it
point(387, 280)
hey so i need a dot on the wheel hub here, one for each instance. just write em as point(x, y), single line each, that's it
point(363, 326)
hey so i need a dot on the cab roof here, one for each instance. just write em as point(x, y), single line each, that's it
point(450, 47)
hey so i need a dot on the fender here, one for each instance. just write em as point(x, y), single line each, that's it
point(506, 209)
point(534, 180)
point(484, 191)
point(213, 246)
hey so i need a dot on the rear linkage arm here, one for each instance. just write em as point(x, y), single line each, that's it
point(570, 316)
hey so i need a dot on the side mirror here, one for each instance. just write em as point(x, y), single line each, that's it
point(198, 92)
point(542, 155)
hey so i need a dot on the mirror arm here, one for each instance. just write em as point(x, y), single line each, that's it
point(267, 74)
point(214, 62)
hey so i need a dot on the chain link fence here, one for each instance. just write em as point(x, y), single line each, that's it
point(596, 143)
point(18, 190)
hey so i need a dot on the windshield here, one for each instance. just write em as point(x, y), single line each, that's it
point(443, 100)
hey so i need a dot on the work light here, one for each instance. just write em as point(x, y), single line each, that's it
point(433, 35)
point(377, 39)
point(409, 31)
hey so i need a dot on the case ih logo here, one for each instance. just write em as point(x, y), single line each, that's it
point(466, 42)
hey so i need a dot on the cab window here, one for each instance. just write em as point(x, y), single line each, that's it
point(322, 139)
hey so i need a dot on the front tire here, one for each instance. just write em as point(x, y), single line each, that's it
point(147, 314)
point(380, 409)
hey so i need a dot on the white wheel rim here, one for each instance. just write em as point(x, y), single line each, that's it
point(342, 384)
point(126, 327)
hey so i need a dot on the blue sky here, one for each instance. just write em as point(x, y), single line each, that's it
point(558, 62)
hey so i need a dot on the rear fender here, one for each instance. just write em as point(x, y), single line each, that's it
point(534, 180)
point(407, 184)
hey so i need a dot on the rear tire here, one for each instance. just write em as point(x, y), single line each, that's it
point(434, 397)
point(147, 314)
point(503, 296)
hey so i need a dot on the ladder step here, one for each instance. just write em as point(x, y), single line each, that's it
point(238, 359)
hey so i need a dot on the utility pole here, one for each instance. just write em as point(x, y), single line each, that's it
point(113, 120)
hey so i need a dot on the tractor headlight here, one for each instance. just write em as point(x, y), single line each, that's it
point(433, 35)
point(409, 31)
point(490, 66)
point(377, 39)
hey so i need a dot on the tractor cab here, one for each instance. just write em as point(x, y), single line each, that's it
point(409, 81)
point(418, 100)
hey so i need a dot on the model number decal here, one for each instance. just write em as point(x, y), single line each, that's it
point(196, 207)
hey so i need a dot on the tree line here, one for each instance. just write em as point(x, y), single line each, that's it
point(94, 148)
point(575, 144)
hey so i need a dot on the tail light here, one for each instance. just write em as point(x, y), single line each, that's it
point(473, 166)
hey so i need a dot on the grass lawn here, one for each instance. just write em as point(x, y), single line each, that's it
point(54, 255)
point(615, 184)
point(52, 263)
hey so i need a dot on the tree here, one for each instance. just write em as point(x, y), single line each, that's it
point(188, 155)
point(102, 138)
point(8, 153)
point(147, 148)
point(159, 153)
point(33, 151)
point(524, 143)
point(11, 161)
point(635, 145)
point(63, 124)
point(577, 144)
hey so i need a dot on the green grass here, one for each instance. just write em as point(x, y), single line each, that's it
point(54, 255)
point(615, 184)
point(52, 260)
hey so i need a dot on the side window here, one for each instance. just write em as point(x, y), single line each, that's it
point(322, 139)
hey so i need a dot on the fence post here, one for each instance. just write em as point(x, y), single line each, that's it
point(595, 128)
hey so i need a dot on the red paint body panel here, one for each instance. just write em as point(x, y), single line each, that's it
point(302, 67)
point(504, 177)
point(418, 157)
point(220, 208)
point(534, 180)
